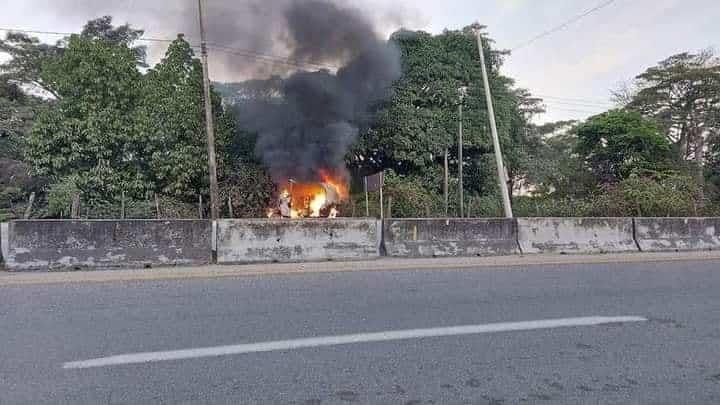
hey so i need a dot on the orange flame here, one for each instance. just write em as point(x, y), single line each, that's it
point(310, 199)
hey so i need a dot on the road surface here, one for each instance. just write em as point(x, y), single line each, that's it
point(381, 337)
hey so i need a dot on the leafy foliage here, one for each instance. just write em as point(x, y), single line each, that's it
point(617, 143)
point(411, 133)
point(171, 120)
point(682, 93)
point(88, 132)
point(250, 189)
point(663, 196)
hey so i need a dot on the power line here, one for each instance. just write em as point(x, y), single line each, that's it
point(270, 58)
point(217, 47)
point(573, 110)
point(574, 104)
point(67, 34)
point(575, 100)
point(564, 25)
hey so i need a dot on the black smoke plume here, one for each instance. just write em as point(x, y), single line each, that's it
point(310, 119)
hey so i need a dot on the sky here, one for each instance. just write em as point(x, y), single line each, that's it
point(574, 69)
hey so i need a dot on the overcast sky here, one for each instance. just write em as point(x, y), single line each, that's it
point(574, 69)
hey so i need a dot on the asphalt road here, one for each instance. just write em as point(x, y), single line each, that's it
point(673, 358)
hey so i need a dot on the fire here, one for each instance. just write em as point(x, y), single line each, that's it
point(317, 204)
point(312, 200)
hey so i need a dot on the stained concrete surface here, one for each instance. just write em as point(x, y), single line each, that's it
point(53, 245)
point(576, 235)
point(267, 241)
point(670, 360)
point(450, 237)
point(677, 234)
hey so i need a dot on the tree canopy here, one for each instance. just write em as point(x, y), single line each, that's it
point(618, 143)
point(682, 94)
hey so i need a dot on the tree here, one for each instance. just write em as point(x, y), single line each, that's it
point(27, 55)
point(553, 166)
point(88, 132)
point(122, 35)
point(411, 132)
point(618, 143)
point(171, 121)
point(17, 113)
point(682, 93)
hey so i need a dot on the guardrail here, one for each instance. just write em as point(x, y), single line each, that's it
point(57, 245)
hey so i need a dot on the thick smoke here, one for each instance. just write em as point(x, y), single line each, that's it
point(309, 125)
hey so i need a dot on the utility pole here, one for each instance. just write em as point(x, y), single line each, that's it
point(462, 91)
point(446, 185)
point(493, 128)
point(212, 160)
point(460, 159)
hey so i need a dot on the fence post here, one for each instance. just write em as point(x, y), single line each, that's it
point(122, 205)
point(75, 209)
point(28, 210)
point(157, 206)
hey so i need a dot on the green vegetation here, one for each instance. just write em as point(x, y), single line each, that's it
point(87, 116)
point(105, 130)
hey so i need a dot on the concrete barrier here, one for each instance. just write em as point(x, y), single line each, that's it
point(677, 234)
point(450, 238)
point(56, 245)
point(266, 240)
point(576, 235)
point(3, 241)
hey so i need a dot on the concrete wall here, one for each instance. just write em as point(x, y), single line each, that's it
point(3, 241)
point(51, 245)
point(454, 237)
point(576, 235)
point(677, 234)
point(265, 240)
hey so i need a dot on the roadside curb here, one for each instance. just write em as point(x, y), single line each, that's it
point(241, 271)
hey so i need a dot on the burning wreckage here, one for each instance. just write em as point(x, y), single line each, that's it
point(310, 200)
point(306, 121)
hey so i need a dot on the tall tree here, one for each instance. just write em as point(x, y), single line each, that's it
point(619, 143)
point(122, 35)
point(85, 137)
point(411, 132)
point(26, 54)
point(682, 94)
point(171, 118)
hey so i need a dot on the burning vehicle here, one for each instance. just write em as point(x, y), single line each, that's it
point(310, 200)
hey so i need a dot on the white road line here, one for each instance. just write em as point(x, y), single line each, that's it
point(285, 345)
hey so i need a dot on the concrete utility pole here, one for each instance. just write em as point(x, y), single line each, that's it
point(212, 160)
point(446, 185)
point(463, 92)
point(493, 127)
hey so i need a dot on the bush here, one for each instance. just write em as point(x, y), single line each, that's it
point(410, 199)
point(485, 207)
point(551, 207)
point(670, 195)
point(251, 190)
point(60, 197)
